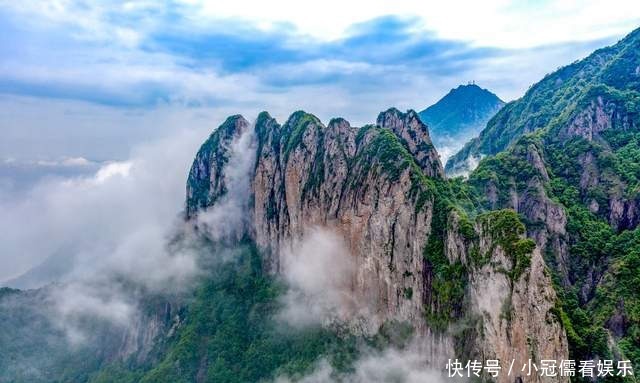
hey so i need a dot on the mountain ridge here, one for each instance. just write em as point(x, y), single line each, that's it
point(385, 182)
point(548, 98)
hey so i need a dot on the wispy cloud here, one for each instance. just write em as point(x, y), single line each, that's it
point(118, 218)
point(418, 361)
point(317, 269)
point(94, 79)
point(145, 54)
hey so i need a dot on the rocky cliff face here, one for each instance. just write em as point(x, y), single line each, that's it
point(575, 183)
point(415, 137)
point(378, 187)
point(600, 121)
point(510, 297)
point(206, 182)
point(41, 345)
point(360, 183)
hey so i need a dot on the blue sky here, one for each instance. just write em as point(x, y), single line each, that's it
point(127, 60)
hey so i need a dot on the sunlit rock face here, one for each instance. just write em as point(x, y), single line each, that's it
point(375, 190)
point(359, 183)
point(510, 313)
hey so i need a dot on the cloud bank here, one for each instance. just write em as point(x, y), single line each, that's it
point(318, 269)
point(143, 56)
point(113, 238)
point(116, 218)
point(410, 364)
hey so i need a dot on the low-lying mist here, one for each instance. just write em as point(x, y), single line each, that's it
point(409, 364)
point(318, 270)
point(103, 238)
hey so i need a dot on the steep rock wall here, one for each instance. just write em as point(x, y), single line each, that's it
point(375, 186)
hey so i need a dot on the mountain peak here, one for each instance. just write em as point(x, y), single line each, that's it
point(460, 98)
point(468, 87)
point(459, 115)
point(472, 90)
point(415, 136)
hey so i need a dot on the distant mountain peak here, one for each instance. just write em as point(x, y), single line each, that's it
point(471, 87)
point(464, 101)
point(460, 115)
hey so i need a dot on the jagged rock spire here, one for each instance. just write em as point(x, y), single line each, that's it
point(414, 135)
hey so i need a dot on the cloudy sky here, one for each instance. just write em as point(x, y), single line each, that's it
point(86, 83)
point(92, 78)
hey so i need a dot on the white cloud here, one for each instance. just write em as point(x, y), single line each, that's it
point(104, 63)
point(113, 169)
point(65, 161)
point(75, 161)
point(418, 362)
point(106, 236)
point(90, 18)
point(502, 23)
point(119, 215)
point(227, 219)
point(52, 130)
point(318, 269)
point(74, 301)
